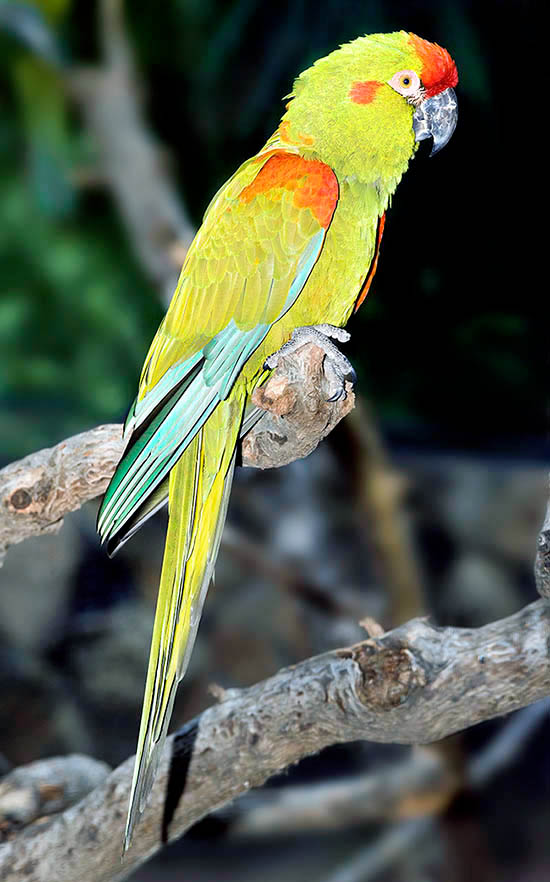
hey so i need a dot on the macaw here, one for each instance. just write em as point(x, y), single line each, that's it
point(286, 252)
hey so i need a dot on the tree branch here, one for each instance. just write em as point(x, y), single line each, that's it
point(424, 783)
point(380, 491)
point(417, 785)
point(46, 787)
point(415, 684)
point(400, 838)
point(131, 161)
point(299, 413)
point(542, 560)
point(371, 861)
point(38, 491)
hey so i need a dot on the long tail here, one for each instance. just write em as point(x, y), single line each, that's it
point(199, 488)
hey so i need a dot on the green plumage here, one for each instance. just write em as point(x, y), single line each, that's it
point(288, 241)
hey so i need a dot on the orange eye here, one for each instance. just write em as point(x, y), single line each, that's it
point(407, 83)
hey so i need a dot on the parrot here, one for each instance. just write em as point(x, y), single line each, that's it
point(286, 252)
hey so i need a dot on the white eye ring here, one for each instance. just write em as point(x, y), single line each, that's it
point(406, 83)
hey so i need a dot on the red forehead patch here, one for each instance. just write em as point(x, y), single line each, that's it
point(363, 93)
point(438, 68)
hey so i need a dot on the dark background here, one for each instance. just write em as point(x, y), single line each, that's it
point(451, 353)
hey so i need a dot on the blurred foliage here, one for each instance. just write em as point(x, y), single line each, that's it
point(447, 346)
point(76, 315)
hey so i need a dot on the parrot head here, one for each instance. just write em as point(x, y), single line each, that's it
point(364, 108)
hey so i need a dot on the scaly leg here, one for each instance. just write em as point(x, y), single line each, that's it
point(338, 365)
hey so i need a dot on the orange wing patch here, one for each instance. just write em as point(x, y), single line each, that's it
point(374, 263)
point(314, 184)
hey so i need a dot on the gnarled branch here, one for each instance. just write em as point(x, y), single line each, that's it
point(415, 684)
point(38, 491)
point(542, 560)
point(46, 787)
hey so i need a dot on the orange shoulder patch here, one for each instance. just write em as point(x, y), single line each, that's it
point(313, 183)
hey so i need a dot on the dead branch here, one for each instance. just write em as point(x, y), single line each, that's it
point(38, 491)
point(422, 784)
point(380, 491)
point(299, 412)
point(46, 787)
point(418, 785)
point(507, 744)
point(131, 162)
point(542, 560)
point(369, 862)
point(397, 841)
point(415, 684)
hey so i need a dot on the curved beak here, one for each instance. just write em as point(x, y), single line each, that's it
point(436, 118)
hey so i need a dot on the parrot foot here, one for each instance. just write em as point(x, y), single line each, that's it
point(338, 365)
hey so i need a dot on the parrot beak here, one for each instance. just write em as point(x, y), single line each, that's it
point(436, 118)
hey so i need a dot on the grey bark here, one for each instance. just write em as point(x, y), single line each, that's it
point(542, 560)
point(38, 491)
point(46, 787)
point(415, 684)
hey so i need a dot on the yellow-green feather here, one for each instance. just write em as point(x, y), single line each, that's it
point(238, 283)
point(199, 487)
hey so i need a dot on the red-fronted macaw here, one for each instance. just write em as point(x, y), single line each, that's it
point(286, 252)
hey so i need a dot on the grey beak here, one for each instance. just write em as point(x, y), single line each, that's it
point(436, 118)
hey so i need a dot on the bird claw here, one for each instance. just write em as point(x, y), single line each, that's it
point(338, 365)
point(341, 377)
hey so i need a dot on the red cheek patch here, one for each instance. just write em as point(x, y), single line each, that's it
point(363, 93)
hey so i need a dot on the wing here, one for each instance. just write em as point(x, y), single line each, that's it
point(259, 241)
